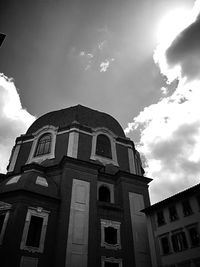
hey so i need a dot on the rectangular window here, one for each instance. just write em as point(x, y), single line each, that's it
point(165, 245)
point(110, 234)
point(110, 262)
point(34, 230)
point(173, 213)
point(160, 218)
point(179, 241)
point(187, 210)
point(3, 223)
point(194, 236)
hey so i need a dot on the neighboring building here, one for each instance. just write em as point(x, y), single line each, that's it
point(174, 224)
point(73, 194)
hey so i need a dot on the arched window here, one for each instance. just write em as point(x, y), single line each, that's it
point(104, 193)
point(43, 145)
point(103, 146)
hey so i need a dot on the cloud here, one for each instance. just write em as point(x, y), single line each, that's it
point(82, 53)
point(88, 59)
point(100, 56)
point(101, 44)
point(92, 60)
point(185, 51)
point(170, 128)
point(14, 119)
point(88, 55)
point(104, 66)
point(177, 37)
point(170, 141)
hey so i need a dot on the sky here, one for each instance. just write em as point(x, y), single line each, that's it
point(135, 60)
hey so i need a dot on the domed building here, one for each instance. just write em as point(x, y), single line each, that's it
point(72, 195)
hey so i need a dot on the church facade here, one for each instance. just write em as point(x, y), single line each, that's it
point(73, 195)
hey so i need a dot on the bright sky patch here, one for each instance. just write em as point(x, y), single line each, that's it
point(14, 119)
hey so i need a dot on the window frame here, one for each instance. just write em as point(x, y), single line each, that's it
point(195, 226)
point(186, 207)
point(48, 129)
point(114, 224)
point(38, 212)
point(99, 144)
point(112, 138)
point(161, 244)
point(4, 209)
point(180, 238)
point(157, 218)
point(40, 142)
point(175, 216)
point(5, 222)
point(110, 259)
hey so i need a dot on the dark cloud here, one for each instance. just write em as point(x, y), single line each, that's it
point(172, 152)
point(185, 51)
point(178, 170)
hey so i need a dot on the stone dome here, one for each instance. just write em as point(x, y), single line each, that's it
point(80, 114)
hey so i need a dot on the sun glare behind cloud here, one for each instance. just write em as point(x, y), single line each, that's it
point(172, 24)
